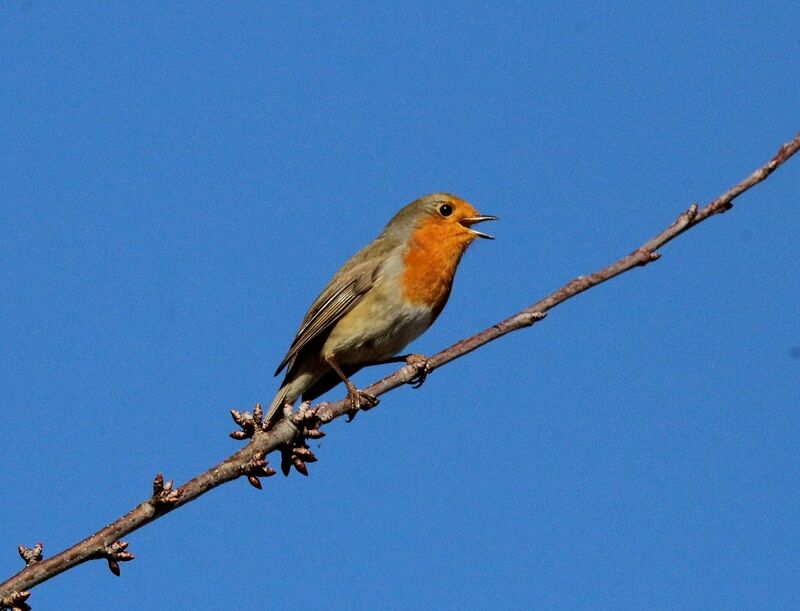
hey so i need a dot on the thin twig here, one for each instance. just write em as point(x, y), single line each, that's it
point(289, 434)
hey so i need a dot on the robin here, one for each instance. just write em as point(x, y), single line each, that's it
point(383, 298)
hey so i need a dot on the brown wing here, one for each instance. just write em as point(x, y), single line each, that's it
point(337, 299)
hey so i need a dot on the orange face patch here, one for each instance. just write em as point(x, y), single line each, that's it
point(435, 250)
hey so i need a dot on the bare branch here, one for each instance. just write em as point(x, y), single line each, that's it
point(290, 433)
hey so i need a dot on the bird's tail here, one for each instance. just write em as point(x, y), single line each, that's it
point(275, 410)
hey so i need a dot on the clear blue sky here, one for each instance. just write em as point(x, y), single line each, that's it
point(178, 182)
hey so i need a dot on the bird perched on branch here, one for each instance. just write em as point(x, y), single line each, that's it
point(383, 298)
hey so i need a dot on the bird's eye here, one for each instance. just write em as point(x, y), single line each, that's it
point(445, 210)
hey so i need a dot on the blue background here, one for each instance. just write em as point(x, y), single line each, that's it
point(179, 180)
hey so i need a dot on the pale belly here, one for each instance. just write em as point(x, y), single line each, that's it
point(377, 328)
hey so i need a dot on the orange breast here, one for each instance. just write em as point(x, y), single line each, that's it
point(430, 265)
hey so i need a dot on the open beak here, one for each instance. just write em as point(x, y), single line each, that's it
point(473, 220)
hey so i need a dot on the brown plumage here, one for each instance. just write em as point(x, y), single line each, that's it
point(380, 300)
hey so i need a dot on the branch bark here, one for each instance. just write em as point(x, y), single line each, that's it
point(290, 433)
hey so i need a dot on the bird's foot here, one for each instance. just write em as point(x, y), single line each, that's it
point(359, 400)
point(423, 368)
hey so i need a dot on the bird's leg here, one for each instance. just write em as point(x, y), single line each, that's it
point(420, 363)
point(417, 361)
point(358, 398)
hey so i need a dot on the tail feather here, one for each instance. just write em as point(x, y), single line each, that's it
point(275, 410)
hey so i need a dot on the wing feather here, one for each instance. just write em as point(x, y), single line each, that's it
point(334, 302)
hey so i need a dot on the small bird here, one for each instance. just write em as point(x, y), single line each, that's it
point(380, 300)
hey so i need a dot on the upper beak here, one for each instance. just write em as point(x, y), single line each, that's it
point(472, 220)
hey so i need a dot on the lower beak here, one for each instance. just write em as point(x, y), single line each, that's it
point(473, 220)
